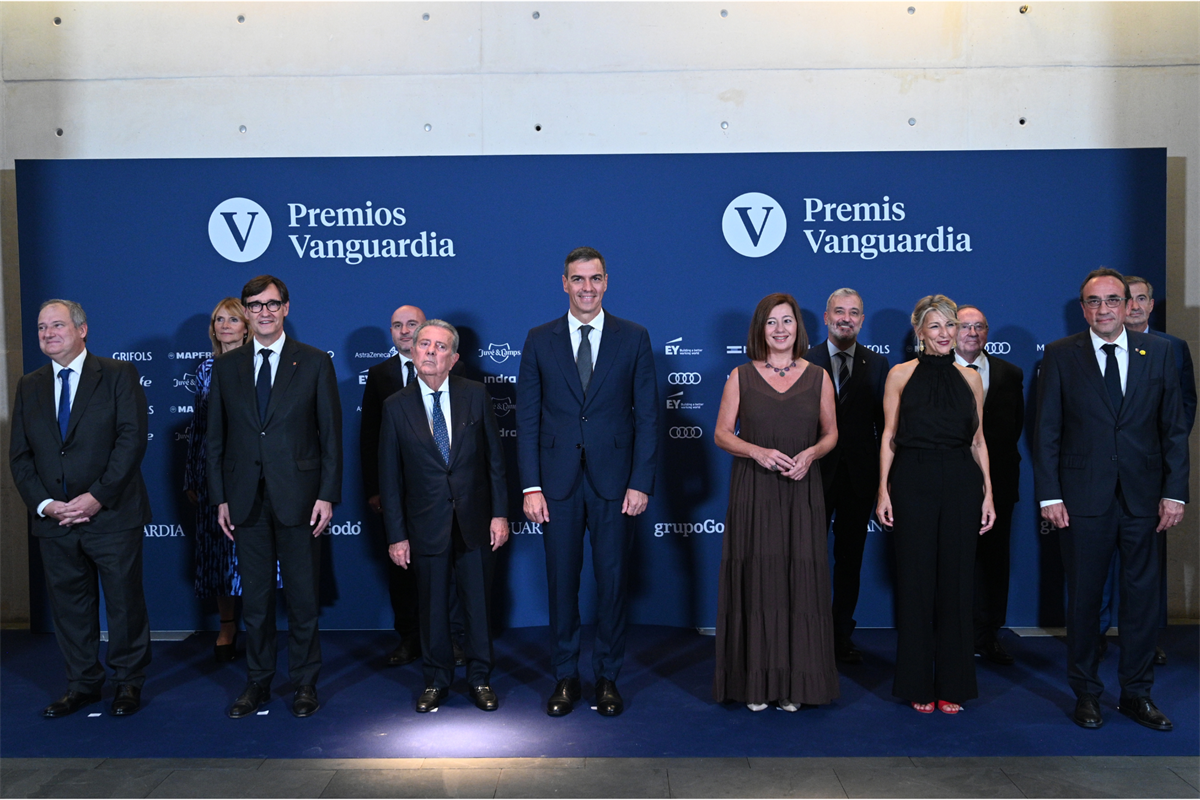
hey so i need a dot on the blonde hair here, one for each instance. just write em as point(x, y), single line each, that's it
point(234, 307)
point(934, 302)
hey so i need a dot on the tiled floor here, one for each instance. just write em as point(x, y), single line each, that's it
point(604, 777)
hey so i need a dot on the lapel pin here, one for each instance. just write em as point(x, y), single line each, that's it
point(1141, 352)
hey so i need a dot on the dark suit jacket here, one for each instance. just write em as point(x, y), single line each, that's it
point(421, 494)
point(1187, 375)
point(616, 425)
point(1084, 446)
point(859, 419)
point(1003, 421)
point(102, 454)
point(298, 451)
point(383, 381)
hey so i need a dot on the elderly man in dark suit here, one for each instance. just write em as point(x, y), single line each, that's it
point(587, 437)
point(850, 472)
point(383, 381)
point(1003, 421)
point(78, 437)
point(275, 471)
point(1111, 470)
point(445, 500)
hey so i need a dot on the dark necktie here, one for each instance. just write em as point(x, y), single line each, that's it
point(410, 372)
point(263, 385)
point(64, 402)
point(1112, 376)
point(972, 366)
point(843, 373)
point(583, 360)
point(441, 435)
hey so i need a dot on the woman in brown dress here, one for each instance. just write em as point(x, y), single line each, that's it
point(774, 624)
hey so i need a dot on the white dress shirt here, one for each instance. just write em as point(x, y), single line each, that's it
point(76, 367)
point(836, 363)
point(594, 336)
point(443, 401)
point(982, 367)
point(275, 347)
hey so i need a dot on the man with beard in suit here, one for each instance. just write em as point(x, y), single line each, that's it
point(1003, 420)
point(850, 472)
point(1111, 471)
point(78, 437)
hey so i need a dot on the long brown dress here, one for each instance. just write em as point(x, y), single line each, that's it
point(774, 623)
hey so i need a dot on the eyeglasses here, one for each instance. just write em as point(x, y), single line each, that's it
point(255, 306)
point(1112, 301)
point(973, 326)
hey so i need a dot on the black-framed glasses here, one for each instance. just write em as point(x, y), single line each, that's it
point(1112, 301)
point(256, 306)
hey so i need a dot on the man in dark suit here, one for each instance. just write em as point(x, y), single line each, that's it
point(445, 501)
point(384, 380)
point(1141, 304)
point(587, 436)
point(1003, 421)
point(1111, 470)
point(275, 471)
point(78, 437)
point(850, 472)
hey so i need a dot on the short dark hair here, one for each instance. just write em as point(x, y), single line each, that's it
point(1130, 280)
point(259, 285)
point(1104, 272)
point(584, 254)
point(756, 339)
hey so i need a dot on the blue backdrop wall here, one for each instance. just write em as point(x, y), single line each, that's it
point(692, 242)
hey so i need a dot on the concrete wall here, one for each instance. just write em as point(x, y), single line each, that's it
point(133, 80)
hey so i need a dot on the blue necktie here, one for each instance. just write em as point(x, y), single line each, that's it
point(64, 402)
point(441, 435)
point(263, 385)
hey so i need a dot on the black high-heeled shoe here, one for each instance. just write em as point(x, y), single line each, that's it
point(223, 653)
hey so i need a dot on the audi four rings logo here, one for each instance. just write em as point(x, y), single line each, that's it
point(998, 348)
point(683, 378)
point(685, 433)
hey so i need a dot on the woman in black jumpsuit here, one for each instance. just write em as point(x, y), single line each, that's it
point(935, 491)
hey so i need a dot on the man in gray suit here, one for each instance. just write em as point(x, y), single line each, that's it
point(275, 471)
point(78, 437)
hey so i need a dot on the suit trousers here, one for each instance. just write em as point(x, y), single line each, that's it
point(563, 535)
point(262, 541)
point(72, 563)
point(850, 508)
point(1088, 544)
point(937, 496)
point(463, 578)
point(992, 561)
point(403, 595)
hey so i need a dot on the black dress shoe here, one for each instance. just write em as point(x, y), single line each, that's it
point(1087, 712)
point(430, 699)
point(305, 703)
point(608, 699)
point(1160, 657)
point(993, 651)
point(566, 693)
point(460, 655)
point(408, 651)
point(127, 701)
point(69, 703)
point(485, 699)
point(1143, 711)
point(253, 696)
point(847, 653)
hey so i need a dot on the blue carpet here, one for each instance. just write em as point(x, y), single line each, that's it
point(368, 712)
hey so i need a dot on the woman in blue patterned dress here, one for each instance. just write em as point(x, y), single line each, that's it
point(216, 560)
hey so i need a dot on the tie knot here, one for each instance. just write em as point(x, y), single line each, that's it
point(265, 353)
point(584, 330)
point(973, 366)
point(436, 396)
point(1111, 349)
point(64, 373)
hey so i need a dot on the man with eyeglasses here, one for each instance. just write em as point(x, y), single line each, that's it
point(1111, 471)
point(1003, 420)
point(275, 471)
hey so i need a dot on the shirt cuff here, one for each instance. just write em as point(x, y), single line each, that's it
point(531, 490)
point(1173, 500)
point(1049, 503)
point(42, 505)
